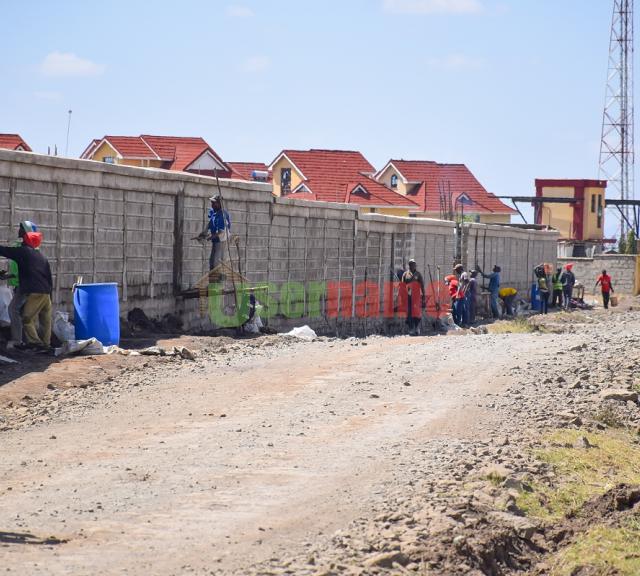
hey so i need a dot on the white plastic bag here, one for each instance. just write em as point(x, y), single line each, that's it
point(5, 299)
point(88, 347)
point(447, 323)
point(62, 328)
point(303, 332)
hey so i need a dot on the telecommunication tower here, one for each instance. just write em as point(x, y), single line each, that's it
point(617, 145)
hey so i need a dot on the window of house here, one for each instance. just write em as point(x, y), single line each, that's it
point(394, 181)
point(285, 180)
point(599, 223)
point(109, 159)
point(593, 203)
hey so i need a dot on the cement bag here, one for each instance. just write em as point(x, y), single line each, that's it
point(5, 299)
point(62, 328)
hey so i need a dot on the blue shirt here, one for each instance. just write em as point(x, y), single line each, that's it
point(218, 221)
point(494, 281)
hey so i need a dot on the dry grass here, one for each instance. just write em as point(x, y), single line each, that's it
point(516, 326)
point(604, 549)
point(581, 473)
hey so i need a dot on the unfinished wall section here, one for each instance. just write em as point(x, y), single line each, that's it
point(324, 264)
point(622, 268)
point(517, 251)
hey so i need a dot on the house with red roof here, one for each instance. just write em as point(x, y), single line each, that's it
point(176, 153)
point(444, 190)
point(336, 176)
point(13, 142)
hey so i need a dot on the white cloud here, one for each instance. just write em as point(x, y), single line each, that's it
point(68, 64)
point(433, 6)
point(238, 11)
point(257, 64)
point(457, 62)
point(47, 95)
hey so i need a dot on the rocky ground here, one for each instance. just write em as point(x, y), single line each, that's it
point(471, 453)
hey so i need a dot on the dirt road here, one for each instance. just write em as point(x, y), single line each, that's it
point(253, 457)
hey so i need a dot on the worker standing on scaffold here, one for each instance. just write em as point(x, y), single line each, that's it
point(218, 231)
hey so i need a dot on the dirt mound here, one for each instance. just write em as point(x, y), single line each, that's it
point(619, 499)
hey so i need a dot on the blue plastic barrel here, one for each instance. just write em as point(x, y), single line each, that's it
point(97, 312)
point(535, 297)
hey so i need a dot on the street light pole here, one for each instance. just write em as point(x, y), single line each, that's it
point(66, 148)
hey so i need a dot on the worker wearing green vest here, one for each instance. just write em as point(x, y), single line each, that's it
point(556, 285)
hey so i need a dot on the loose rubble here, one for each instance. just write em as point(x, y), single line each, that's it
point(451, 504)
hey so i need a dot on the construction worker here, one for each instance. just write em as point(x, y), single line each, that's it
point(18, 299)
point(494, 289)
point(414, 283)
point(507, 295)
point(471, 296)
point(606, 287)
point(218, 230)
point(568, 280)
point(462, 312)
point(556, 285)
point(543, 287)
point(34, 276)
point(452, 283)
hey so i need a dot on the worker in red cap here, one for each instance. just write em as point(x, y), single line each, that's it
point(568, 280)
point(34, 275)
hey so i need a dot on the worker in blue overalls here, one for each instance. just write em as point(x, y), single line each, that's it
point(494, 289)
point(218, 231)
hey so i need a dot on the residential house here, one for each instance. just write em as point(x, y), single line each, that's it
point(444, 190)
point(13, 142)
point(182, 154)
point(335, 176)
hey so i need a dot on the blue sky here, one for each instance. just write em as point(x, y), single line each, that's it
point(512, 88)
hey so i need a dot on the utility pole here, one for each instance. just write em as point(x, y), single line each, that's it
point(617, 144)
point(66, 148)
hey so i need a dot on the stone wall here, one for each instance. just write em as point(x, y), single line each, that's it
point(623, 269)
point(137, 227)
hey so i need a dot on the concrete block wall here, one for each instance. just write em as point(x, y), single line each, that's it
point(624, 271)
point(138, 228)
point(517, 251)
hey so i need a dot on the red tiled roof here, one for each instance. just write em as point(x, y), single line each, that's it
point(244, 170)
point(88, 151)
point(427, 176)
point(131, 147)
point(177, 152)
point(182, 151)
point(333, 175)
point(12, 142)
